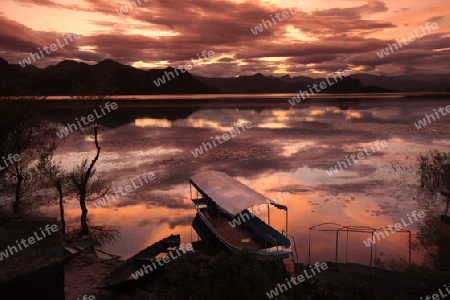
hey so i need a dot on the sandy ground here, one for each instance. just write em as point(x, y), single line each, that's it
point(84, 272)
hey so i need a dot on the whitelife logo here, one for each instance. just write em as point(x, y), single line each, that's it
point(91, 118)
point(85, 297)
point(262, 207)
point(161, 80)
point(438, 296)
point(124, 9)
point(284, 15)
point(162, 261)
point(53, 48)
point(411, 38)
point(128, 189)
point(397, 226)
point(11, 158)
point(300, 278)
point(360, 156)
point(322, 85)
point(421, 124)
point(225, 137)
point(31, 240)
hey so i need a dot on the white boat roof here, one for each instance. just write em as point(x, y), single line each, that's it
point(228, 193)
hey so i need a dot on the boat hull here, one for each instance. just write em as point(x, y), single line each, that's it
point(220, 242)
point(120, 278)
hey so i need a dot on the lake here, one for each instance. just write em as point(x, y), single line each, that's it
point(287, 149)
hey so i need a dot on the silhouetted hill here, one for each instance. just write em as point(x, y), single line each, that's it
point(68, 77)
point(14, 82)
point(258, 83)
point(408, 83)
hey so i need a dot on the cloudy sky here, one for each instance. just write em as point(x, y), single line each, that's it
point(311, 40)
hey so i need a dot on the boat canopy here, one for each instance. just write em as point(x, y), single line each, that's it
point(229, 194)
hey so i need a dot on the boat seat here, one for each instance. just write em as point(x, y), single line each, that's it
point(265, 232)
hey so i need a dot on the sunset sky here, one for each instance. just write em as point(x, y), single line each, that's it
point(321, 38)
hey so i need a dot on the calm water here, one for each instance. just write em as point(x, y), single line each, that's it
point(288, 149)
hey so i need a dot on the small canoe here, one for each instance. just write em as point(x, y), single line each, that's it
point(70, 251)
point(121, 277)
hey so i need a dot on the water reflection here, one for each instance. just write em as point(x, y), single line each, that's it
point(287, 149)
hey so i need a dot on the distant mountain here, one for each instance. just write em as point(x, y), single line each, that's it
point(408, 83)
point(69, 77)
point(12, 81)
point(259, 83)
point(357, 83)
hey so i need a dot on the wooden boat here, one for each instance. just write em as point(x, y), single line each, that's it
point(221, 199)
point(121, 277)
point(72, 250)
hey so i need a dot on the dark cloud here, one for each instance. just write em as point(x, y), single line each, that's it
point(333, 37)
point(436, 19)
point(354, 13)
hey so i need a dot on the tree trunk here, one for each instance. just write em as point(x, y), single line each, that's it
point(61, 211)
point(84, 211)
point(16, 204)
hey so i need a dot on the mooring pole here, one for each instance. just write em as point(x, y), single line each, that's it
point(410, 249)
point(346, 250)
point(287, 219)
point(309, 248)
point(371, 252)
point(337, 242)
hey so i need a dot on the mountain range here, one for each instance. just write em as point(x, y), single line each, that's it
point(70, 77)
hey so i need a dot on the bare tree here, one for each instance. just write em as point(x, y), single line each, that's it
point(23, 131)
point(91, 98)
point(89, 186)
point(83, 181)
point(55, 176)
